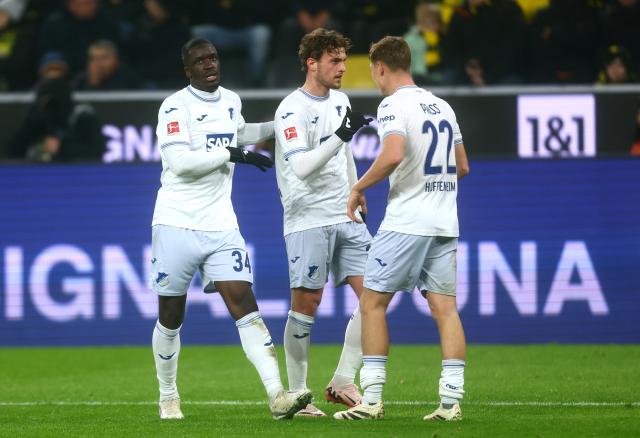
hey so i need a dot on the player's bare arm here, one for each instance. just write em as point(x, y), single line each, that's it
point(390, 157)
point(462, 163)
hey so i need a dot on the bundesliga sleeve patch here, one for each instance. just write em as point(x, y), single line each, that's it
point(290, 133)
point(173, 128)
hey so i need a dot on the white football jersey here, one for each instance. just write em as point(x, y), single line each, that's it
point(424, 187)
point(201, 121)
point(303, 122)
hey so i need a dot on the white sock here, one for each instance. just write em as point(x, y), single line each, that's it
point(451, 381)
point(297, 337)
point(373, 375)
point(351, 357)
point(258, 346)
point(166, 349)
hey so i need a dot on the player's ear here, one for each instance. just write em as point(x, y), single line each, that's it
point(311, 64)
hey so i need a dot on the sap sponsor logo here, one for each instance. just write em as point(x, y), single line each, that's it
point(218, 140)
point(130, 143)
point(386, 119)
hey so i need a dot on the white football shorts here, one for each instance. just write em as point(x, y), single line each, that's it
point(340, 249)
point(402, 262)
point(177, 253)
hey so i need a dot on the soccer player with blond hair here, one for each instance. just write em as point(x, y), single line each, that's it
point(423, 156)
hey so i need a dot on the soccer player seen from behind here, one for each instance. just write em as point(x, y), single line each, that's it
point(315, 171)
point(194, 227)
point(424, 157)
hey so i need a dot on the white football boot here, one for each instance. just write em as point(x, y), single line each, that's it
point(286, 403)
point(170, 409)
point(310, 411)
point(362, 411)
point(442, 414)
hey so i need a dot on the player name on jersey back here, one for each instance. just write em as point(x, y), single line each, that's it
point(423, 188)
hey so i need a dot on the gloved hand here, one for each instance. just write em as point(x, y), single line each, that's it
point(239, 155)
point(350, 125)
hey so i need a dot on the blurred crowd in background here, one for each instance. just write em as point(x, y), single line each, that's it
point(135, 44)
point(55, 47)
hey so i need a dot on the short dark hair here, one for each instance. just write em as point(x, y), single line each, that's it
point(315, 43)
point(393, 51)
point(195, 42)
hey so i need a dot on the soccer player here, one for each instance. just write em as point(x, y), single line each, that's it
point(315, 169)
point(195, 227)
point(423, 156)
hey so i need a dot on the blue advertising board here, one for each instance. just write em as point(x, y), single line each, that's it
point(549, 252)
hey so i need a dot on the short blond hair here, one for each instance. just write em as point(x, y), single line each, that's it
point(393, 51)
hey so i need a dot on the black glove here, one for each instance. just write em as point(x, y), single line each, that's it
point(350, 125)
point(239, 155)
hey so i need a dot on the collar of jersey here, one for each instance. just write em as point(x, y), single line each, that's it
point(203, 95)
point(311, 96)
point(406, 86)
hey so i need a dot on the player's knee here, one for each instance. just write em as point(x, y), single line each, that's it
point(171, 311)
point(370, 303)
point(306, 301)
point(441, 306)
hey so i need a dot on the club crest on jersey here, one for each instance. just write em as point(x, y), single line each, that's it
point(313, 272)
point(339, 109)
point(218, 140)
point(290, 133)
point(162, 279)
point(173, 128)
point(230, 112)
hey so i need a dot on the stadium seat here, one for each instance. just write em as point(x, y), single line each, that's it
point(358, 74)
point(531, 7)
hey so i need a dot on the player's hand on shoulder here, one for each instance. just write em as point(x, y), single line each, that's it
point(239, 155)
point(351, 122)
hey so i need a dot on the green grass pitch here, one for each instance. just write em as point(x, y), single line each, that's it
point(512, 391)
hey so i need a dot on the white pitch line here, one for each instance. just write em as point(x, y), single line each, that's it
point(575, 404)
